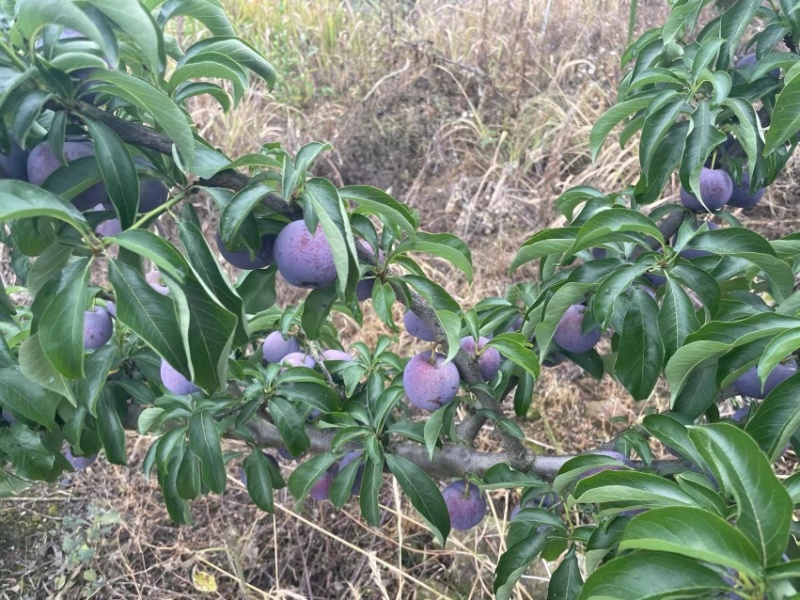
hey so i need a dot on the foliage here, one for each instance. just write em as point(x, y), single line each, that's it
point(682, 299)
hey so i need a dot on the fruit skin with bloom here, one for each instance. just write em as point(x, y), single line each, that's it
point(175, 382)
point(97, 328)
point(14, 165)
point(298, 359)
point(741, 197)
point(79, 463)
point(569, 332)
point(275, 347)
point(417, 327)
point(430, 385)
point(241, 258)
point(716, 187)
point(466, 506)
point(748, 384)
point(304, 259)
point(333, 354)
point(489, 359)
point(322, 487)
point(42, 163)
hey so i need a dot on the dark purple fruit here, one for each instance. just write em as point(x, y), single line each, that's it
point(333, 354)
point(692, 253)
point(321, 489)
point(749, 61)
point(275, 347)
point(430, 385)
point(155, 281)
point(346, 460)
point(569, 332)
point(8, 417)
point(298, 359)
point(741, 196)
point(489, 359)
point(97, 328)
point(716, 187)
point(748, 383)
point(42, 163)
point(175, 382)
point(304, 260)
point(417, 327)
point(79, 463)
point(242, 260)
point(466, 506)
point(364, 289)
point(14, 165)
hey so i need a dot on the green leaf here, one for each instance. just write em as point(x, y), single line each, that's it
point(239, 209)
point(566, 296)
point(372, 201)
point(152, 316)
point(676, 318)
point(734, 22)
point(694, 533)
point(290, 424)
point(544, 243)
point(656, 127)
point(443, 245)
point(634, 487)
point(152, 100)
point(132, 18)
point(257, 290)
point(188, 483)
point(156, 249)
point(423, 493)
point(615, 220)
point(641, 351)
point(451, 323)
point(370, 488)
point(615, 115)
point(306, 475)
point(764, 506)
point(110, 430)
point(701, 141)
point(204, 442)
point(236, 50)
point(19, 200)
point(177, 507)
point(776, 419)
point(518, 350)
point(316, 308)
point(60, 326)
point(259, 480)
point(514, 562)
point(27, 398)
point(118, 170)
point(97, 367)
point(566, 581)
point(33, 364)
point(433, 426)
point(209, 12)
point(652, 576)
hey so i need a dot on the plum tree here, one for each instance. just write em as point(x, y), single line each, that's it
point(696, 115)
point(97, 328)
point(304, 259)
point(175, 382)
point(466, 504)
point(489, 359)
point(748, 384)
point(429, 381)
point(716, 187)
point(569, 333)
point(276, 347)
point(242, 259)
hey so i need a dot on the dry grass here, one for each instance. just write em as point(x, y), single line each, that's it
point(476, 113)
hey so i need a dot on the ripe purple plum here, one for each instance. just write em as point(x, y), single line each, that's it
point(417, 327)
point(321, 489)
point(465, 505)
point(569, 332)
point(304, 259)
point(175, 382)
point(553, 359)
point(79, 463)
point(516, 325)
point(346, 460)
point(365, 286)
point(748, 384)
point(14, 165)
point(108, 228)
point(8, 417)
point(275, 347)
point(111, 307)
point(333, 354)
point(489, 359)
point(42, 163)
point(741, 197)
point(430, 383)
point(748, 62)
point(97, 328)
point(241, 258)
point(716, 187)
point(152, 192)
point(298, 359)
point(155, 281)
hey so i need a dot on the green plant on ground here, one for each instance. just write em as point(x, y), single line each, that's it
point(684, 292)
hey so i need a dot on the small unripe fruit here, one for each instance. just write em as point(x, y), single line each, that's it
point(304, 260)
point(741, 196)
point(241, 259)
point(489, 359)
point(466, 506)
point(175, 382)
point(79, 463)
point(716, 187)
point(748, 384)
point(430, 385)
point(346, 460)
point(569, 332)
point(275, 347)
point(97, 328)
point(417, 327)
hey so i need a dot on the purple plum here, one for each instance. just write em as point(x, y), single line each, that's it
point(320, 490)
point(365, 286)
point(489, 359)
point(417, 327)
point(740, 414)
point(748, 384)
point(611, 454)
point(14, 165)
point(97, 328)
point(553, 359)
point(42, 163)
point(298, 359)
point(346, 460)
point(175, 382)
point(716, 187)
point(569, 332)
point(544, 501)
point(748, 62)
point(241, 259)
point(152, 192)
point(516, 325)
point(108, 228)
point(430, 385)
point(333, 354)
point(155, 281)
point(741, 197)
point(8, 417)
point(304, 260)
point(276, 347)
point(111, 307)
point(466, 506)
point(79, 463)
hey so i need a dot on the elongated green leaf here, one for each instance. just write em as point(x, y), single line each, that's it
point(518, 350)
point(19, 199)
point(615, 220)
point(204, 442)
point(290, 424)
point(151, 100)
point(156, 249)
point(566, 582)
point(306, 475)
point(640, 489)
point(613, 116)
point(136, 21)
point(239, 209)
point(236, 50)
point(259, 481)
point(27, 398)
point(443, 245)
point(33, 363)
point(764, 506)
point(514, 562)
point(189, 482)
point(776, 419)
point(209, 12)
point(97, 367)
point(701, 141)
point(370, 488)
point(110, 430)
point(423, 493)
point(676, 318)
point(641, 351)
point(372, 201)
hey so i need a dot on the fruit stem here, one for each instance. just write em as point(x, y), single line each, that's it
point(713, 159)
point(432, 359)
